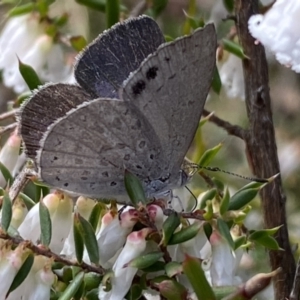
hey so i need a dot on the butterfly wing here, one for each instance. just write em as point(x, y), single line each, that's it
point(35, 115)
point(107, 62)
point(170, 90)
point(87, 150)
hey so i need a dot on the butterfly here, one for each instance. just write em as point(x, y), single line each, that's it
point(136, 106)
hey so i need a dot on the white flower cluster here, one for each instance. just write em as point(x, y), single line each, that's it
point(278, 30)
point(118, 246)
point(24, 37)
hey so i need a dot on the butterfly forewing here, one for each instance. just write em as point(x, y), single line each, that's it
point(170, 89)
point(108, 61)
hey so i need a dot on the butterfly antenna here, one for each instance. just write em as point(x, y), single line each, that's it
point(216, 169)
point(196, 200)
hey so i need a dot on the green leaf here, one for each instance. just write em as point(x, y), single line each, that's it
point(92, 295)
point(173, 268)
point(257, 234)
point(253, 185)
point(112, 12)
point(195, 274)
point(216, 82)
point(134, 189)
point(78, 239)
point(46, 224)
point(240, 241)
point(145, 261)
point(169, 226)
point(95, 215)
point(94, 4)
point(242, 198)
point(208, 195)
point(234, 48)
point(22, 273)
point(6, 174)
point(73, 287)
point(90, 240)
point(78, 42)
point(157, 8)
point(21, 9)
point(225, 232)
point(27, 200)
point(225, 202)
point(6, 213)
point(185, 234)
point(172, 290)
point(92, 281)
point(23, 97)
point(268, 242)
point(156, 267)
point(29, 75)
point(134, 293)
point(229, 5)
point(209, 155)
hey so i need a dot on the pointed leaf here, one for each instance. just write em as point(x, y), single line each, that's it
point(257, 234)
point(173, 268)
point(216, 82)
point(240, 241)
point(157, 8)
point(112, 12)
point(6, 213)
point(229, 5)
point(269, 242)
point(90, 240)
point(73, 287)
point(45, 223)
point(234, 48)
point(94, 4)
point(22, 273)
point(145, 261)
point(29, 75)
point(185, 234)
point(134, 188)
point(208, 195)
point(78, 42)
point(78, 239)
point(225, 202)
point(172, 290)
point(209, 155)
point(242, 198)
point(134, 293)
point(27, 200)
point(169, 226)
point(95, 215)
point(195, 274)
point(6, 174)
point(21, 9)
point(225, 232)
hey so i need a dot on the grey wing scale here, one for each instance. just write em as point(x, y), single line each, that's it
point(35, 116)
point(107, 62)
point(87, 150)
point(170, 89)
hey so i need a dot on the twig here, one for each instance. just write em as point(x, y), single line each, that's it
point(7, 128)
point(231, 129)
point(19, 183)
point(262, 149)
point(40, 250)
point(295, 293)
point(8, 114)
